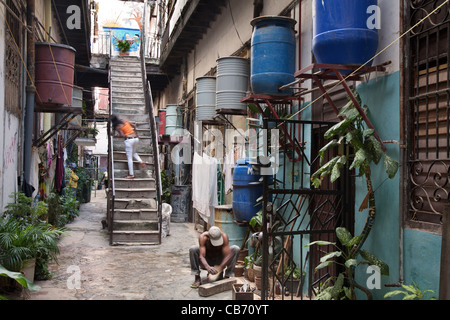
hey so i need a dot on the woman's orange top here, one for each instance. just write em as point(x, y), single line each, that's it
point(127, 129)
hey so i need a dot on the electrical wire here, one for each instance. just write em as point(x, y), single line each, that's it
point(234, 24)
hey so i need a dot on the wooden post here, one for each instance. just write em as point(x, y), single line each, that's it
point(444, 282)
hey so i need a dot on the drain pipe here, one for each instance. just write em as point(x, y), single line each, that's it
point(29, 107)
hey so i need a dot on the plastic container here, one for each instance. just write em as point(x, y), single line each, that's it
point(246, 190)
point(341, 34)
point(273, 53)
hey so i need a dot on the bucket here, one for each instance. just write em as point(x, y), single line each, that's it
point(224, 220)
point(206, 98)
point(273, 53)
point(246, 190)
point(232, 83)
point(173, 119)
point(54, 84)
point(341, 34)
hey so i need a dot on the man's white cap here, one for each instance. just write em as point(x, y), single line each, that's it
point(215, 236)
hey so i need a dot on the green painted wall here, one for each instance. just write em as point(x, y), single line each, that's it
point(421, 252)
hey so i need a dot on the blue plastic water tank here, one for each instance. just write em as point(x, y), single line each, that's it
point(340, 32)
point(273, 52)
point(246, 190)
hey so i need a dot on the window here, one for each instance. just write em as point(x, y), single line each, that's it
point(427, 115)
point(13, 62)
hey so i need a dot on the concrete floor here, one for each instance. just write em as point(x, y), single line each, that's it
point(107, 272)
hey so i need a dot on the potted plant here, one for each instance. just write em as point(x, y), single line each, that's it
point(124, 47)
point(293, 277)
point(21, 243)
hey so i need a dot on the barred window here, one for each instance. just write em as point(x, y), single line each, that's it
point(13, 62)
point(428, 115)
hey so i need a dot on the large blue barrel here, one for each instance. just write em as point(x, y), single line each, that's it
point(273, 52)
point(246, 190)
point(224, 219)
point(340, 32)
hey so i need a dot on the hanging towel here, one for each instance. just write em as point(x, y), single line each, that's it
point(204, 186)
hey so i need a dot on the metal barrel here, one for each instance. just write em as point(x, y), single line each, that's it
point(224, 219)
point(206, 98)
point(173, 119)
point(232, 83)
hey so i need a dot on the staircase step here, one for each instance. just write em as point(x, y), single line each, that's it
point(136, 237)
point(126, 94)
point(133, 72)
point(117, 88)
point(129, 100)
point(121, 155)
point(135, 118)
point(143, 146)
point(129, 203)
point(128, 109)
point(123, 165)
point(137, 83)
point(135, 225)
point(135, 183)
point(135, 193)
point(146, 173)
point(136, 214)
point(125, 76)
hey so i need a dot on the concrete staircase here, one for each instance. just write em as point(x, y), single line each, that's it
point(135, 215)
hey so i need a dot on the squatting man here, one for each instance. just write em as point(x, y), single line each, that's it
point(213, 254)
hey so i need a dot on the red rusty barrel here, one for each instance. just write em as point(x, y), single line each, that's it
point(54, 73)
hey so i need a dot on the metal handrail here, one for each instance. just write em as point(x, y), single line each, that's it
point(153, 128)
point(111, 177)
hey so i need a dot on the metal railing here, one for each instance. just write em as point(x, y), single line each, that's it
point(154, 138)
point(295, 213)
point(102, 44)
point(111, 183)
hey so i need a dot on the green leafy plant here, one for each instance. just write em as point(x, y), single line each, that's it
point(255, 259)
point(366, 147)
point(19, 243)
point(361, 149)
point(166, 183)
point(24, 211)
point(256, 221)
point(345, 284)
point(124, 45)
point(410, 292)
point(20, 278)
